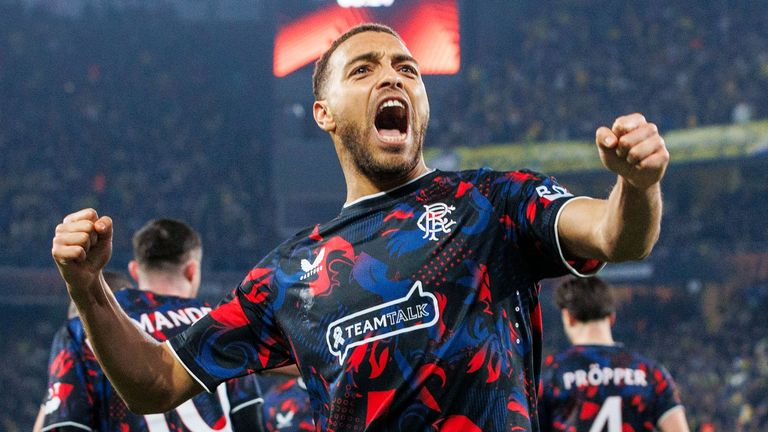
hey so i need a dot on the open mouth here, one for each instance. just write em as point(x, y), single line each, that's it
point(392, 121)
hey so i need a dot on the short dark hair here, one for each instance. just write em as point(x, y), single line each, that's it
point(586, 299)
point(320, 75)
point(163, 244)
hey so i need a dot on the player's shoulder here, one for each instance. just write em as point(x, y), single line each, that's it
point(642, 361)
point(485, 173)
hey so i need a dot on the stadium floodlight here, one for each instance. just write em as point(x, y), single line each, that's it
point(364, 3)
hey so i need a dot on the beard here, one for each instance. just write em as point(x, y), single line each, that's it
point(385, 166)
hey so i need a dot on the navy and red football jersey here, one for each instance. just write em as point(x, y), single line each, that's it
point(286, 404)
point(413, 309)
point(604, 388)
point(81, 397)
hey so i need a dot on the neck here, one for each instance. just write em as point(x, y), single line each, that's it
point(167, 285)
point(360, 185)
point(591, 333)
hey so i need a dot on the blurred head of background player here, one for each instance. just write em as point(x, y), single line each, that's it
point(588, 310)
point(167, 255)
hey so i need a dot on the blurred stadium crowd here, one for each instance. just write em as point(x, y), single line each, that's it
point(143, 114)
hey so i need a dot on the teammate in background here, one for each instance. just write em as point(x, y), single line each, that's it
point(116, 282)
point(416, 308)
point(166, 266)
point(286, 404)
point(598, 385)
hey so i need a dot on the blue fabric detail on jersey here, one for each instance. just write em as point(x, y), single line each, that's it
point(371, 274)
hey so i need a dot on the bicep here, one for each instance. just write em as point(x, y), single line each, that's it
point(578, 228)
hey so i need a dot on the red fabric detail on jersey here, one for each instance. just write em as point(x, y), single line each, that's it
point(259, 278)
point(357, 357)
point(264, 351)
point(378, 403)
point(520, 176)
point(289, 405)
point(588, 410)
point(62, 364)
point(286, 385)
point(422, 375)
point(661, 383)
point(588, 266)
point(315, 235)
point(62, 391)
point(537, 324)
point(220, 424)
point(591, 391)
point(388, 232)
point(477, 360)
point(230, 314)
point(457, 423)
point(626, 427)
point(399, 214)
point(481, 281)
point(508, 224)
point(427, 371)
point(463, 188)
point(378, 364)
point(336, 250)
point(256, 274)
point(427, 399)
point(530, 212)
point(515, 406)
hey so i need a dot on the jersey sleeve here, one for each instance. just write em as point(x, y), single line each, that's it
point(238, 337)
point(667, 395)
point(533, 203)
point(70, 401)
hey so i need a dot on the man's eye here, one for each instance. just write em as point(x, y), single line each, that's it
point(408, 69)
point(360, 70)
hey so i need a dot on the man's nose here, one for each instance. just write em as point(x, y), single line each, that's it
point(390, 78)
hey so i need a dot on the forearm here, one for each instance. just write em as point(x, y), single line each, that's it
point(631, 223)
point(139, 368)
point(623, 227)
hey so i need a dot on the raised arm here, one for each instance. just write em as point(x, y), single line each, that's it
point(144, 372)
point(627, 224)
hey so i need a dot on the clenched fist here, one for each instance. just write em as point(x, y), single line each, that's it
point(633, 149)
point(82, 247)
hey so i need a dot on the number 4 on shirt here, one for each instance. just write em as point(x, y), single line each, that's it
point(610, 414)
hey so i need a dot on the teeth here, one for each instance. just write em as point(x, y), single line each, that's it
point(393, 139)
point(391, 103)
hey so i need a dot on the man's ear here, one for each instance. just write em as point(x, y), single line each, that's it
point(133, 269)
point(190, 270)
point(568, 318)
point(612, 318)
point(323, 116)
